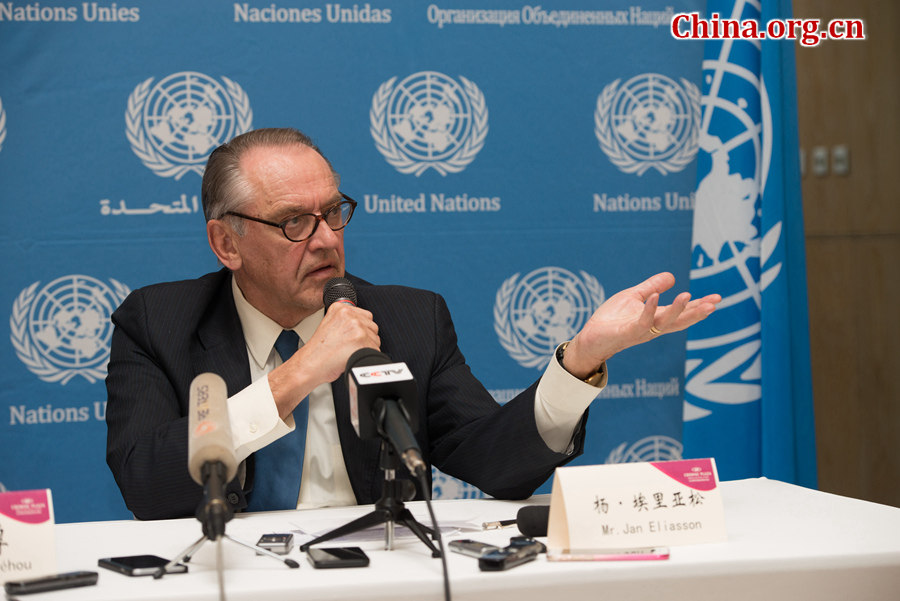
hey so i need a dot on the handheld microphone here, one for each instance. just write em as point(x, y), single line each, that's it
point(533, 520)
point(211, 460)
point(338, 290)
point(383, 403)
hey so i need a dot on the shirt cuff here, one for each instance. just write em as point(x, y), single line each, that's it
point(254, 419)
point(560, 401)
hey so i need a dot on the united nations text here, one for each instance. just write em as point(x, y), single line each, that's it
point(627, 203)
point(23, 415)
point(538, 15)
point(244, 12)
point(434, 203)
point(91, 12)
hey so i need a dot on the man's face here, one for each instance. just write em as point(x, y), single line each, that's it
point(284, 279)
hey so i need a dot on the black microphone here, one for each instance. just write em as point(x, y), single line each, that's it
point(383, 403)
point(338, 290)
point(532, 520)
point(211, 460)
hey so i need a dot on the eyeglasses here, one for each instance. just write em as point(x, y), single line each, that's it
point(301, 227)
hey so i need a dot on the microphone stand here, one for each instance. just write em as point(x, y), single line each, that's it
point(389, 509)
point(213, 514)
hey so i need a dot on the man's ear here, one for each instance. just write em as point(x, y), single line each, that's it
point(223, 241)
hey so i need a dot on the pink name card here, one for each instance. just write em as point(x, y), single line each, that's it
point(27, 543)
point(626, 505)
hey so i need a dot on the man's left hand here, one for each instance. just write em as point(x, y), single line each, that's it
point(631, 317)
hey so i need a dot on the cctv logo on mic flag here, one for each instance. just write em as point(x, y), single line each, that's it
point(367, 383)
point(379, 374)
point(373, 379)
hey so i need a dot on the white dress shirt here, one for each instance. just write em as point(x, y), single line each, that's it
point(560, 401)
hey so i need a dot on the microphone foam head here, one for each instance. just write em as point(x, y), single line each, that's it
point(532, 520)
point(366, 356)
point(337, 289)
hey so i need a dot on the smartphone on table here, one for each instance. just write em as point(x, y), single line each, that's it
point(140, 565)
point(53, 582)
point(472, 548)
point(337, 557)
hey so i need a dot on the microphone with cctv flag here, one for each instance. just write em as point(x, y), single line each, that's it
point(211, 460)
point(382, 393)
point(383, 403)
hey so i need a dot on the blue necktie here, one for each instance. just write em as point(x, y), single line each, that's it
point(276, 482)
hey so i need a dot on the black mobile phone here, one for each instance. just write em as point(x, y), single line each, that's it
point(521, 549)
point(472, 548)
point(50, 583)
point(337, 557)
point(140, 565)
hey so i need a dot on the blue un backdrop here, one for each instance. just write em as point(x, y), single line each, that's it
point(524, 162)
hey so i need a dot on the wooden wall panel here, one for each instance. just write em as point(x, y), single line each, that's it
point(849, 93)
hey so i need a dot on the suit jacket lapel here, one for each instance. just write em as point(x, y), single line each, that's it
point(221, 348)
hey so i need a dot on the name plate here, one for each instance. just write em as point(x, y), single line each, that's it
point(626, 505)
point(27, 543)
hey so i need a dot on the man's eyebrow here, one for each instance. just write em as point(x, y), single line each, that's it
point(289, 212)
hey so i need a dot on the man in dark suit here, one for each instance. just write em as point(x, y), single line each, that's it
point(275, 219)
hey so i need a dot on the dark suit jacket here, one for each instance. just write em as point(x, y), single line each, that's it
point(167, 334)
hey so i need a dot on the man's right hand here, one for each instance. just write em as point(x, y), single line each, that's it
point(323, 358)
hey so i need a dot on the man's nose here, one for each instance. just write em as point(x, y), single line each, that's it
point(324, 236)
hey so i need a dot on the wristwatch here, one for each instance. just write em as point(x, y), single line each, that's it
point(593, 379)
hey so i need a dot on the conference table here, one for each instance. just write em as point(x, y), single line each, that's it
point(784, 542)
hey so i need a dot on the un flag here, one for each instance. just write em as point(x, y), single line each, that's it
point(748, 393)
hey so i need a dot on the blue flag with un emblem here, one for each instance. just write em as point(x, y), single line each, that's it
point(748, 392)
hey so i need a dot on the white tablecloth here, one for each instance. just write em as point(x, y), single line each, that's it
point(784, 542)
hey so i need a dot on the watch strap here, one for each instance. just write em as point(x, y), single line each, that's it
point(594, 378)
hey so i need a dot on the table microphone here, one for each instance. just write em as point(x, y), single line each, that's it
point(211, 460)
point(209, 429)
point(212, 464)
point(532, 520)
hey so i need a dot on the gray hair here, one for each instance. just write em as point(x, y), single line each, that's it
point(224, 187)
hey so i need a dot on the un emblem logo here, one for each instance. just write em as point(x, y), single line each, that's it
point(428, 120)
point(649, 122)
point(173, 126)
point(651, 448)
point(447, 487)
point(2, 124)
point(532, 315)
point(63, 330)
point(731, 254)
